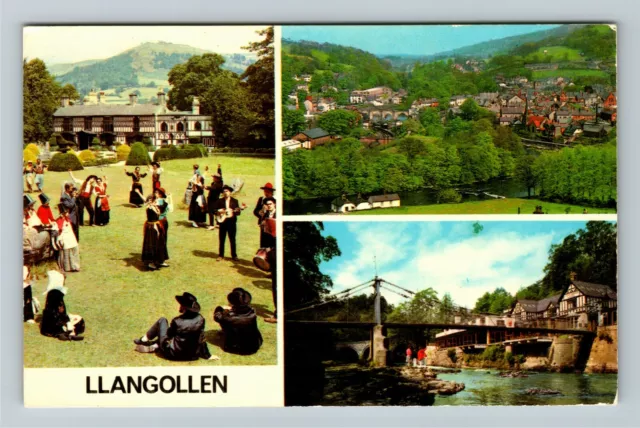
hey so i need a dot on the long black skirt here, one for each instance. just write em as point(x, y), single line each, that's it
point(101, 216)
point(134, 196)
point(154, 245)
point(196, 212)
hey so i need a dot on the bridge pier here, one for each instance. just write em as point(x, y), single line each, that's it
point(379, 346)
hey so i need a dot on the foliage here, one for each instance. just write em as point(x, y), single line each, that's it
point(65, 161)
point(304, 248)
point(595, 41)
point(123, 151)
point(495, 302)
point(34, 148)
point(526, 174)
point(449, 196)
point(188, 151)
point(293, 122)
point(112, 72)
point(86, 155)
point(493, 353)
point(29, 155)
point(338, 122)
point(138, 155)
point(100, 162)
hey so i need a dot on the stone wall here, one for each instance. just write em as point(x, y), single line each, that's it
point(604, 351)
point(563, 353)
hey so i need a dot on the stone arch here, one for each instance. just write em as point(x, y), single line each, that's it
point(180, 127)
point(347, 354)
point(375, 114)
point(197, 126)
point(387, 115)
point(164, 127)
point(402, 116)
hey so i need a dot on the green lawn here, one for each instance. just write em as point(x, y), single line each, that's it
point(543, 74)
point(557, 53)
point(119, 300)
point(494, 206)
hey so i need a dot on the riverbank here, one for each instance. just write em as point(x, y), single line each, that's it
point(494, 206)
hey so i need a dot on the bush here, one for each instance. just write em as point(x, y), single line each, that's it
point(53, 140)
point(53, 148)
point(509, 358)
point(161, 154)
point(86, 155)
point(100, 161)
point(203, 149)
point(449, 196)
point(176, 152)
point(189, 151)
point(64, 162)
point(96, 142)
point(451, 353)
point(29, 155)
point(96, 148)
point(138, 155)
point(147, 141)
point(493, 353)
point(73, 152)
point(34, 148)
point(123, 152)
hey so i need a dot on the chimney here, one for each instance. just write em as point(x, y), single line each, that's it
point(133, 99)
point(64, 101)
point(101, 97)
point(161, 98)
point(572, 276)
point(195, 105)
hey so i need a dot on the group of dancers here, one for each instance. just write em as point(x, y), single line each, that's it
point(183, 338)
point(34, 176)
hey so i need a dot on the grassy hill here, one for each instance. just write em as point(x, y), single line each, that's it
point(554, 54)
point(146, 64)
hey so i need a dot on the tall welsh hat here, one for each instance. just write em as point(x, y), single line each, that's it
point(27, 201)
point(44, 199)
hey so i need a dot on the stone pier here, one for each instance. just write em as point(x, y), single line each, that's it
point(379, 346)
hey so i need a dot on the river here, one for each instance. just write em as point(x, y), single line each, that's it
point(504, 187)
point(483, 388)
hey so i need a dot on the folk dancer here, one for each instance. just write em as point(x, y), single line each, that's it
point(39, 170)
point(66, 243)
point(197, 213)
point(154, 244)
point(136, 194)
point(56, 322)
point(258, 211)
point(268, 240)
point(68, 200)
point(183, 339)
point(239, 324)
point(163, 206)
point(29, 176)
point(228, 211)
point(156, 171)
point(45, 214)
point(215, 190)
point(84, 200)
point(30, 307)
point(35, 236)
point(102, 202)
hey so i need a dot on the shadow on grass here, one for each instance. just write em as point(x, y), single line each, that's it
point(247, 268)
point(262, 311)
point(135, 260)
point(262, 283)
point(186, 223)
point(215, 338)
point(205, 254)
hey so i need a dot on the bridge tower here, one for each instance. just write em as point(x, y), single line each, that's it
point(379, 341)
point(376, 306)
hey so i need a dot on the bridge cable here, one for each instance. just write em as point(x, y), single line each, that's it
point(331, 298)
point(396, 292)
point(397, 286)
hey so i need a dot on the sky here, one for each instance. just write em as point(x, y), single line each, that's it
point(65, 44)
point(407, 39)
point(446, 256)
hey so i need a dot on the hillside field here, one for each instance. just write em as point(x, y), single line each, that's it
point(571, 74)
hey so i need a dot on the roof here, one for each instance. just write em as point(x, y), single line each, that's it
point(384, 198)
point(595, 290)
point(314, 133)
point(539, 305)
point(592, 127)
point(338, 202)
point(115, 110)
point(512, 110)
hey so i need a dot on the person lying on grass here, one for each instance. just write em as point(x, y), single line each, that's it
point(184, 339)
point(239, 324)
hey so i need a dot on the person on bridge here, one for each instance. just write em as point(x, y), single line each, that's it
point(409, 353)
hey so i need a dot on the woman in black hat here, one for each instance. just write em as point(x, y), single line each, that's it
point(239, 324)
point(197, 208)
point(215, 190)
point(184, 339)
point(155, 175)
point(136, 193)
point(154, 244)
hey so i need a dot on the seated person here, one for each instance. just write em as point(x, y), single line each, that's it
point(56, 322)
point(184, 339)
point(35, 235)
point(239, 324)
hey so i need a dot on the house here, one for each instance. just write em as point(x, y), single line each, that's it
point(611, 101)
point(527, 310)
point(385, 201)
point(594, 130)
point(537, 122)
point(302, 87)
point(586, 302)
point(132, 122)
point(583, 114)
point(294, 144)
point(314, 136)
point(342, 205)
point(361, 96)
point(514, 112)
point(515, 101)
point(457, 100)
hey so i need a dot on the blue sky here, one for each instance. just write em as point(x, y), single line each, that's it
point(407, 39)
point(446, 256)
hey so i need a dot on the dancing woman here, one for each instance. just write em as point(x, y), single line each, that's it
point(197, 213)
point(84, 199)
point(136, 195)
point(68, 254)
point(215, 190)
point(155, 175)
point(163, 206)
point(102, 202)
point(154, 244)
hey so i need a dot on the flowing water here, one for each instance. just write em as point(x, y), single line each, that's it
point(508, 188)
point(484, 387)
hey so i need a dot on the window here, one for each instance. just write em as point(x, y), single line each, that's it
point(164, 127)
point(107, 124)
point(180, 127)
point(136, 124)
point(198, 126)
point(87, 123)
point(67, 125)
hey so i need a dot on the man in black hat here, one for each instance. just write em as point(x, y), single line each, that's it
point(239, 324)
point(183, 340)
point(228, 209)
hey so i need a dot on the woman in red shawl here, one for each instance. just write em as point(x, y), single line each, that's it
point(102, 202)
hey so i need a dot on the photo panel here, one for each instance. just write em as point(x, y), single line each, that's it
point(149, 223)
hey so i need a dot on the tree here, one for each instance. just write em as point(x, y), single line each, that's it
point(424, 307)
point(495, 302)
point(470, 109)
point(41, 98)
point(526, 174)
point(338, 122)
point(304, 248)
point(293, 122)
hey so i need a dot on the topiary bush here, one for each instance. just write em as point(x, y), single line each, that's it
point(123, 151)
point(29, 155)
point(188, 151)
point(138, 155)
point(86, 155)
point(34, 148)
point(65, 162)
point(162, 154)
point(203, 150)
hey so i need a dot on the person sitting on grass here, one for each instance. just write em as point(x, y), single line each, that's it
point(184, 339)
point(56, 322)
point(239, 324)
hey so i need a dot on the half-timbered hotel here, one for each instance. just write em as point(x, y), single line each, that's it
point(598, 301)
point(536, 309)
point(131, 122)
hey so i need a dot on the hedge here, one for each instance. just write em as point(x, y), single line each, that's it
point(187, 151)
point(138, 155)
point(86, 155)
point(203, 149)
point(123, 152)
point(100, 161)
point(29, 155)
point(244, 150)
point(65, 162)
point(34, 148)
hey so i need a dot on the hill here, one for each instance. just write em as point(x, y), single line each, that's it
point(145, 65)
